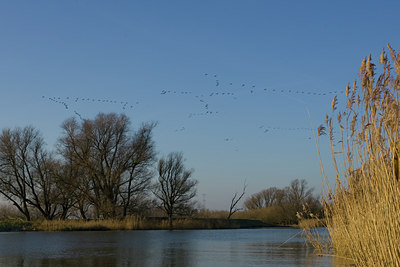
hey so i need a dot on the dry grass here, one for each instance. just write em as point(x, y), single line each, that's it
point(214, 220)
point(129, 223)
point(206, 219)
point(362, 210)
point(311, 223)
point(212, 214)
point(269, 215)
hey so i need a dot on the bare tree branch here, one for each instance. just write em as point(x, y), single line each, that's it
point(235, 200)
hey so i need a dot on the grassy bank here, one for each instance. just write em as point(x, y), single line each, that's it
point(130, 223)
point(205, 219)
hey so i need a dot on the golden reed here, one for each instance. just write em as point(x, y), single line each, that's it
point(362, 210)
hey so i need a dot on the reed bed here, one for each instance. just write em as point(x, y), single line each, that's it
point(129, 223)
point(362, 210)
point(205, 219)
point(132, 223)
point(311, 223)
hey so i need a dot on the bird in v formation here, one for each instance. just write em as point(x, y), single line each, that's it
point(126, 105)
point(67, 102)
point(252, 90)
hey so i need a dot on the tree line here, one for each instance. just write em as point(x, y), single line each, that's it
point(287, 202)
point(100, 168)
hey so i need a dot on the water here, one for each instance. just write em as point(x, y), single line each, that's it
point(244, 247)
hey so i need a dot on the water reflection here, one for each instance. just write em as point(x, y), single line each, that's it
point(158, 248)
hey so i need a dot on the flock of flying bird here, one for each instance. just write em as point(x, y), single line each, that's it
point(66, 102)
point(238, 89)
point(252, 89)
point(222, 89)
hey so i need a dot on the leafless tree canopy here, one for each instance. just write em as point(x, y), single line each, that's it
point(289, 200)
point(104, 168)
point(27, 172)
point(265, 198)
point(175, 188)
point(298, 194)
point(112, 163)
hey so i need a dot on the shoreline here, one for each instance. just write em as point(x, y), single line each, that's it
point(132, 223)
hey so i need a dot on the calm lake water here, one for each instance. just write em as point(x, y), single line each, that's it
point(243, 247)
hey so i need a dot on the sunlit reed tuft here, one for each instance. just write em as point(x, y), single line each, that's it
point(363, 209)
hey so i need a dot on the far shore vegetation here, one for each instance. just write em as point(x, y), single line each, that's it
point(131, 223)
point(271, 207)
point(206, 220)
point(102, 174)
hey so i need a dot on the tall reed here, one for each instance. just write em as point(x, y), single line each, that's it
point(363, 209)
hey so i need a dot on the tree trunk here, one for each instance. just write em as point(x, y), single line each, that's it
point(82, 212)
point(26, 212)
point(170, 221)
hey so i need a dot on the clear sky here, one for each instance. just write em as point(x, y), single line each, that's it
point(227, 81)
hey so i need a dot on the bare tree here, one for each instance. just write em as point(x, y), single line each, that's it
point(68, 189)
point(113, 163)
point(73, 147)
point(27, 172)
point(98, 148)
point(138, 177)
point(13, 177)
point(298, 193)
point(262, 199)
point(255, 201)
point(235, 200)
point(287, 201)
point(42, 181)
point(175, 188)
point(296, 196)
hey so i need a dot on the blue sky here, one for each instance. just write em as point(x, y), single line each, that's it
point(265, 62)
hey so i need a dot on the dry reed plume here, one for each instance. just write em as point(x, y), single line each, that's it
point(362, 210)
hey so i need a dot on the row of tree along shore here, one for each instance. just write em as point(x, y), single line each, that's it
point(101, 169)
